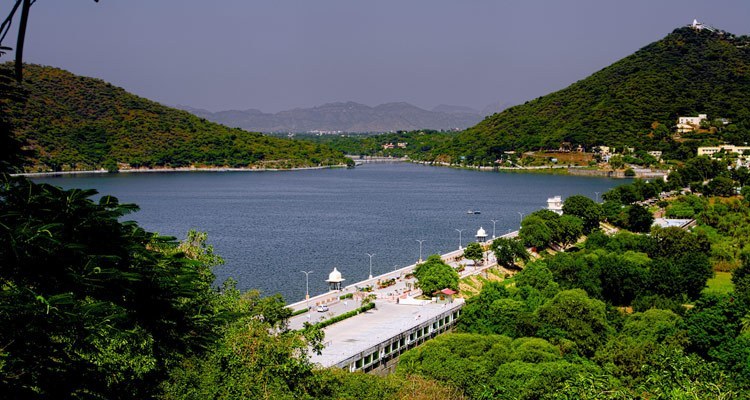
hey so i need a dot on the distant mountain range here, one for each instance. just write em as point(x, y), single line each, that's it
point(349, 117)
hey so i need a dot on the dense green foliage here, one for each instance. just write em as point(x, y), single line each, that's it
point(73, 122)
point(88, 305)
point(678, 342)
point(630, 102)
point(560, 342)
point(565, 345)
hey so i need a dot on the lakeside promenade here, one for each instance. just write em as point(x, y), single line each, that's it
point(403, 290)
point(373, 340)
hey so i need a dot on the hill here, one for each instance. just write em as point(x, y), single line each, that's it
point(76, 123)
point(686, 73)
point(345, 117)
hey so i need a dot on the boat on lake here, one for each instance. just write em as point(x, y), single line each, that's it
point(473, 212)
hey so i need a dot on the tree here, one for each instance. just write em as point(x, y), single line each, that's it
point(642, 335)
point(90, 306)
point(474, 252)
point(680, 275)
point(537, 275)
point(248, 362)
point(584, 208)
point(11, 155)
point(721, 186)
point(433, 275)
point(622, 279)
point(616, 162)
point(674, 242)
point(639, 219)
point(535, 232)
point(508, 250)
point(569, 229)
point(741, 280)
point(572, 315)
point(714, 320)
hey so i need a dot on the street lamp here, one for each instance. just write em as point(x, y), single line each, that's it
point(420, 249)
point(493, 227)
point(520, 216)
point(459, 238)
point(597, 196)
point(307, 290)
point(370, 263)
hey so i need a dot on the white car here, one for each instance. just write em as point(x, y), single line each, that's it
point(322, 308)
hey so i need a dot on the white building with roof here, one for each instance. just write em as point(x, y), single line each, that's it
point(481, 235)
point(727, 148)
point(690, 124)
point(555, 204)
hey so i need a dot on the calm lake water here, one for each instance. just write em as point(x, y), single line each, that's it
point(269, 226)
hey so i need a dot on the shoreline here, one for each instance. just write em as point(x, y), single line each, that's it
point(179, 169)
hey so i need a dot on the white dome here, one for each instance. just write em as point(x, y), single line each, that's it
point(481, 232)
point(334, 276)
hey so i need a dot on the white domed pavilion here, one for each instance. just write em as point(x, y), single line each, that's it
point(481, 235)
point(334, 280)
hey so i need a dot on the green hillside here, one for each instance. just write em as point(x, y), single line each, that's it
point(686, 73)
point(74, 122)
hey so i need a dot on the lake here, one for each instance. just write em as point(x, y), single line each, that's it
point(269, 226)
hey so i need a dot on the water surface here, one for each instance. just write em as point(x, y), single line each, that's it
point(269, 226)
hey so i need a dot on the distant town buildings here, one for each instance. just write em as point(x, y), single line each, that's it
point(727, 148)
point(400, 145)
point(605, 152)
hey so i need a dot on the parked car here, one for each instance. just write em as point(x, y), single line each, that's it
point(322, 308)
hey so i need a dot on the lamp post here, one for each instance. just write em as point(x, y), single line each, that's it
point(370, 263)
point(307, 290)
point(597, 196)
point(520, 216)
point(420, 249)
point(459, 238)
point(493, 228)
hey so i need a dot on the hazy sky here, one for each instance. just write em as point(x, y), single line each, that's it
point(280, 54)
